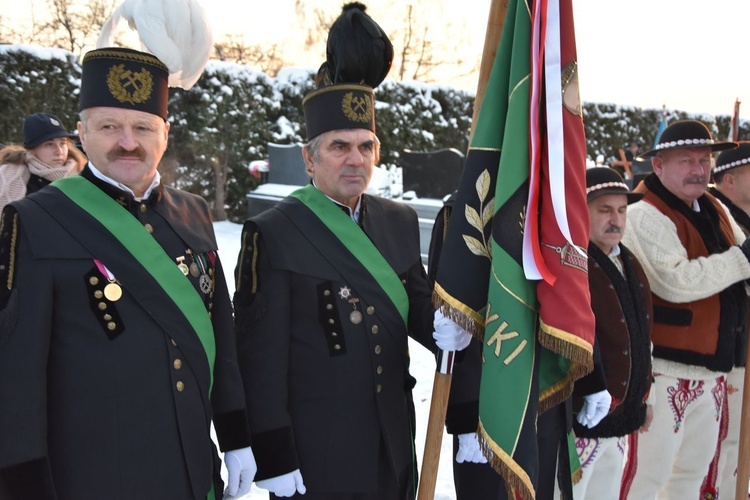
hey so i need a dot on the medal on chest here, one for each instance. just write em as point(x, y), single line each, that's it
point(356, 315)
point(112, 290)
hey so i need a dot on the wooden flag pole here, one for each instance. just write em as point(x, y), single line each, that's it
point(743, 454)
point(442, 383)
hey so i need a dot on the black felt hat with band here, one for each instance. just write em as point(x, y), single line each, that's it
point(604, 180)
point(124, 78)
point(687, 134)
point(340, 106)
point(733, 158)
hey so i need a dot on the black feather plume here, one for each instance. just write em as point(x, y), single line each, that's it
point(358, 50)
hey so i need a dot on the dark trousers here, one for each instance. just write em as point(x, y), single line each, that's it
point(390, 487)
point(480, 481)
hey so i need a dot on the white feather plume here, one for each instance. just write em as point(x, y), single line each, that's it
point(175, 31)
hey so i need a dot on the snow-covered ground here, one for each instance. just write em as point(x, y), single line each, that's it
point(422, 368)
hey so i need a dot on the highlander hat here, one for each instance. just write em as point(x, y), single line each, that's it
point(733, 158)
point(604, 180)
point(41, 127)
point(687, 134)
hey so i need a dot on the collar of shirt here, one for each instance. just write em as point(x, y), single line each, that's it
point(353, 214)
point(155, 182)
point(614, 256)
point(696, 206)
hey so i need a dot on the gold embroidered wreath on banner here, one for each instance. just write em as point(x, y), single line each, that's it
point(357, 109)
point(141, 81)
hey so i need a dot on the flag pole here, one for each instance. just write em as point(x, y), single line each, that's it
point(743, 453)
point(442, 382)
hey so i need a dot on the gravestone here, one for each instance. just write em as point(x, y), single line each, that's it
point(432, 174)
point(286, 165)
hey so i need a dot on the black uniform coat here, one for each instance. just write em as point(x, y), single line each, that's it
point(325, 391)
point(103, 399)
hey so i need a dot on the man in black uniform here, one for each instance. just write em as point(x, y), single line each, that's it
point(330, 285)
point(116, 339)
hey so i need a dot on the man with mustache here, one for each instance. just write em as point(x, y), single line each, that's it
point(621, 301)
point(117, 348)
point(696, 259)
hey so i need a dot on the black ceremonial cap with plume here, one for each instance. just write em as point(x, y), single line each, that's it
point(358, 58)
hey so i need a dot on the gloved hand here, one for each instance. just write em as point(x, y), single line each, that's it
point(241, 471)
point(468, 449)
point(595, 408)
point(448, 335)
point(284, 485)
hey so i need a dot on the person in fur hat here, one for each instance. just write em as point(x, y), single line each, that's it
point(47, 154)
point(696, 259)
point(117, 349)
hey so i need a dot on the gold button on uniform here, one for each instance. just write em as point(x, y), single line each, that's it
point(334, 334)
point(143, 208)
point(102, 306)
point(370, 310)
point(379, 370)
point(329, 306)
point(331, 321)
point(177, 364)
point(337, 347)
point(94, 280)
point(180, 386)
point(375, 329)
point(326, 293)
point(111, 326)
point(379, 388)
point(378, 349)
point(107, 317)
point(403, 281)
point(98, 294)
point(149, 228)
point(174, 343)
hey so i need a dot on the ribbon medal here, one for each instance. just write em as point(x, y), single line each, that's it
point(112, 290)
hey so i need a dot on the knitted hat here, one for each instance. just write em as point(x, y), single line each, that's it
point(41, 127)
point(687, 134)
point(604, 180)
point(733, 158)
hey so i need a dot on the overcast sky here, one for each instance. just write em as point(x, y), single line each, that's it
point(684, 54)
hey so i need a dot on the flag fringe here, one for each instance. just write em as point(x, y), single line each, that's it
point(461, 314)
point(515, 485)
point(569, 346)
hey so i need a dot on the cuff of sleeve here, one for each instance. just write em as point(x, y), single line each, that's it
point(32, 479)
point(592, 383)
point(462, 418)
point(275, 453)
point(232, 430)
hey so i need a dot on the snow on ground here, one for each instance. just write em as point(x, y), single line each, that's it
point(422, 368)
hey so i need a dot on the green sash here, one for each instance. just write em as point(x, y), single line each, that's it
point(357, 242)
point(148, 253)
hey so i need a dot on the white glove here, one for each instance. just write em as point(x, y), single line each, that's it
point(284, 485)
point(468, 449)
point(241, 471)
point(448, 335)
point(595, 408)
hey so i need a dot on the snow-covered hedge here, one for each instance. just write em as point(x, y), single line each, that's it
point(233, 112)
